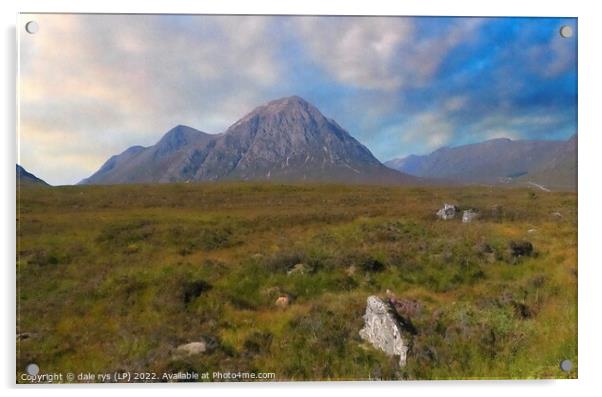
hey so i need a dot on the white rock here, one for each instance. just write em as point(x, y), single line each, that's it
point(382, 329)
point(469, 215)
point(283, 301)
point(191, 349)
point(447, 212)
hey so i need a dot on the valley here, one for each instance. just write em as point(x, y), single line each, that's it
point(257, 276)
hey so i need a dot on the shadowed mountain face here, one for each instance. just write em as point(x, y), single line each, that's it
point(549, 163)
point(284, 140)
point(25, 178)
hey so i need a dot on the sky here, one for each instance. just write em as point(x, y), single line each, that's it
point(91, 86)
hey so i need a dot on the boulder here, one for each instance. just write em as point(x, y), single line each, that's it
point(283, 301)
point(203, 345)
point(190, 349)
point(447, 212)
point(469, 215)
point(383, 329)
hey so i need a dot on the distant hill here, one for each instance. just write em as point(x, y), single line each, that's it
point(560, 170)
point(552, 164)
point(25, 178)
point(284, 140)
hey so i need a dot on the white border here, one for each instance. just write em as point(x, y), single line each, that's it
point(590, 145)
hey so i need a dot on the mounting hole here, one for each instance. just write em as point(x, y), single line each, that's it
point(566, 365)
point(32, 369)
point(32, 27)
point(566, 31)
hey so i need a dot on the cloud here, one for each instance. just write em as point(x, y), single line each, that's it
point(552, 57)
point(562, 56)
point(496, 133)
point(455, 103)
point(446, 123)
point(109, 82)
point(508, 125)
point(358, 51)
point(432, 129)
point(537, 49)
point(382, 53)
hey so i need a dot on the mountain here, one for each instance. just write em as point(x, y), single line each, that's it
point(560, 170)
point(25, 178)
point(166, 161)
point(284, 140)
point(548, 163)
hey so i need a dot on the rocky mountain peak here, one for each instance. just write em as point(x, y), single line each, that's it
point(287, 111)
point(180, 138)
point(290, 104)
point(287, 139)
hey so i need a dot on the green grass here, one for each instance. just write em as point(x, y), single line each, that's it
point(114, 278)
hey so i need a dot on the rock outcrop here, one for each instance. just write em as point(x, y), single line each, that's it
point(383, 329)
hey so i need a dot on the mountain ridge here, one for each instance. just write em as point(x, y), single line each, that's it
point(287, 139)
point(500, 160)
point(26, 178)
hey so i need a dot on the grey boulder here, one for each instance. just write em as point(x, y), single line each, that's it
point(201, 346)
point(447, 212)
point(383, 330)
point(191, 349)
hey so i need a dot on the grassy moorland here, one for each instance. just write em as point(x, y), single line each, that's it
point(115, 277)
